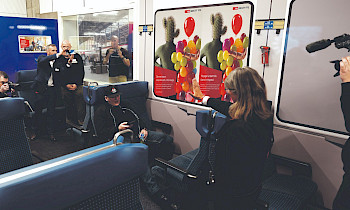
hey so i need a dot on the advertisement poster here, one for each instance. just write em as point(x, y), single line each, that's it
point(205, 42)
point(33, 44)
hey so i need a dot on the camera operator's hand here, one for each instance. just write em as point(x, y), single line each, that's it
point(120, 54)
point(4, 88)
point(71, 86)
point(345, 69)
point(111, 51)
point(63, 53)
point(71, 57)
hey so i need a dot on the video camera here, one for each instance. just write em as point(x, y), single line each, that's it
point(69, 51)
point(342, 41)
point(13, 87)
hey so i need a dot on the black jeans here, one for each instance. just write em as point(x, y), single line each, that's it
point(45, 100)
point(75, 105)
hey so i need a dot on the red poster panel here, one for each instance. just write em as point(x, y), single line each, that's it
point(209, 81)
point(164, 82)
point(24, 43)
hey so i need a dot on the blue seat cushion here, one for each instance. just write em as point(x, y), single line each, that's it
point(300, 187)
point(278, 200)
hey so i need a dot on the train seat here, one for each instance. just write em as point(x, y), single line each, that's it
point(178, 173)
point(134, 93)
point(25, 80)
point(279, 191)
point(101, 177)
point(288, 191)
point(14, 147)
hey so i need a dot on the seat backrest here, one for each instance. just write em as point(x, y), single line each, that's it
point(207, 118)
point(134, 93)
point(100, 177)
point(25, 80)
point(208, 123)
point(14, 147)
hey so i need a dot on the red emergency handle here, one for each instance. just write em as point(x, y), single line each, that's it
point(265, 51)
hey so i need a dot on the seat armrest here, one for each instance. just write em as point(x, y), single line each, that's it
point(166, 164)
point(119, 139)
point(297, 167)
point(166, 128)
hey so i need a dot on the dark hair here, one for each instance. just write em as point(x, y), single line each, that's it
point(250, 89)
point(3, 74)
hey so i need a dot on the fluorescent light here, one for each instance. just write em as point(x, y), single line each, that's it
point(32, 27)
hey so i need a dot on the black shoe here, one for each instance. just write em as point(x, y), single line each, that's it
point(52, 138)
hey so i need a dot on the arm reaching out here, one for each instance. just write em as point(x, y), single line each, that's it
point(197, 93)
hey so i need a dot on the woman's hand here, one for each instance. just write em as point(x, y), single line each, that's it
point(197, 93)
point(345, 69)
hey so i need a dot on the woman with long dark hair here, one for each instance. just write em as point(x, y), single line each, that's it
point(243, 142)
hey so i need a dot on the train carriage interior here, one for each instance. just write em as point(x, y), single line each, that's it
point(162, 65)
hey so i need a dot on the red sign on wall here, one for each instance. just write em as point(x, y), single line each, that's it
point(24, 43)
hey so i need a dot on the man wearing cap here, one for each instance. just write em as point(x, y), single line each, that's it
point(115, 116)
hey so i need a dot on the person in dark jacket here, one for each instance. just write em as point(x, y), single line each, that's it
point(72, 85)
point(115, 116)
point(243, 142)
point(342, 199)
point(46, 87)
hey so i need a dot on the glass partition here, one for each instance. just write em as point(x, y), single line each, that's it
point(90, 36)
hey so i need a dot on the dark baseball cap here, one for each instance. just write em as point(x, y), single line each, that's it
point(111, 90)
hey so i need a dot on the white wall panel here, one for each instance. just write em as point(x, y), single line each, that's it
point(67, 5)
point(46, 6)
point(13, 8)
point(278, 9)
point(186, 137)
point(139, 41)
point(263, 9)
point(271, 71)
point(255, 60)
point(108, 5)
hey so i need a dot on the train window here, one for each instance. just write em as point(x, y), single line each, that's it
point(91, 36)
point(202, 42)
point(309, 92)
